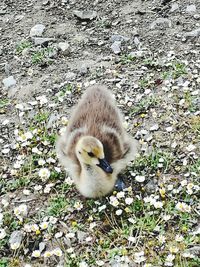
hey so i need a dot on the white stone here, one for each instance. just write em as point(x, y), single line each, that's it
point(37, 30)
point(8, 82)
point(191, 9)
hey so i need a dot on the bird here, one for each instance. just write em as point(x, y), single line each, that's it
point(95, 146)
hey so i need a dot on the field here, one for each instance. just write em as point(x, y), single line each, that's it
point(147, 54)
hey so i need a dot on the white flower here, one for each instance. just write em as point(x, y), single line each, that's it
point(139, 257)
point(34, 227)
point(100, 263)
point(131, 220)
point(78, 205)
point(166, 217)
point(70, 250)
point(188, 255)
point(19, 106)
point(148, 265)
point(57, 252)
point(114, 201)
point(83, 264)
point(103, 207)
point(27, 228)
point(44, 225)
point(28, 135)
point(42, 99)
point(132, 239)
point(5, 203)
point(25, 136)
point(17, 165)
point(168, 263)
point(118, 212)
point(169, 260)
point(129, 200)
point(37, 187)
point(2, 233)
point(70, 235)
point(140, 178)
point(158, 204)
point(53, 220)
point(5, 150)
point(179, 238)
point(21, 211)
point(5, 122)
point(169, 129)
point(184, 182)
point(190, 187)
point(41, 162)
point(88, 239)
point(27, 265)
point(174, 144)
point(160, 165)
point(174, 249)
point(47, 254)
point(26, 192)
point(92, 225)
point(69, 181)
point(36, 151)
point(64, 120)
point(48, 187)
point(147, 199)
point(161, 239)
point(33, 103)
point(191, 147)
point(36, 254)
point(181, 206)
point(15, 245)
point(57, 169)
point(181, 102)
point(170, 187)
point(58, 234)
point(120, 195)
point(1, 218)
point(44, 174)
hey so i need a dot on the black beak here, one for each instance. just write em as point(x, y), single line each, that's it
point(104, 165)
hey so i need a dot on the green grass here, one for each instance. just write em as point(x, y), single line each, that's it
point(57, 206)
point(108, 231)
point(4, 262)
point(23, 45)
point(14, 184)
point(195, 167)
point(41, 117)
point(4, 102)
point(195, 124)
point(41, 56)
point(125, 59)
point(150, 162)
point(174, 70)
point(104, 23)
point(144, 105)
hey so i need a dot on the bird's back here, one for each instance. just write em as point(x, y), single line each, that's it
point(98, 116)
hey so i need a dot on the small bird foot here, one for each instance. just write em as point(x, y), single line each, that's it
point(120, 184)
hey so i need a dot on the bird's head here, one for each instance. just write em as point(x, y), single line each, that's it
point(89, 151)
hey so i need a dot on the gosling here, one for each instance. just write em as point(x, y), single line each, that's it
point(95, 147)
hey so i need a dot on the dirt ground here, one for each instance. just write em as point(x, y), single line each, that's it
point(148, 54)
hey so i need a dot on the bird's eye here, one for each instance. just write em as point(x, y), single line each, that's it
point(90, 154)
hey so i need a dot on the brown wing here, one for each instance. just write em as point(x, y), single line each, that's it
point(96, 110)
